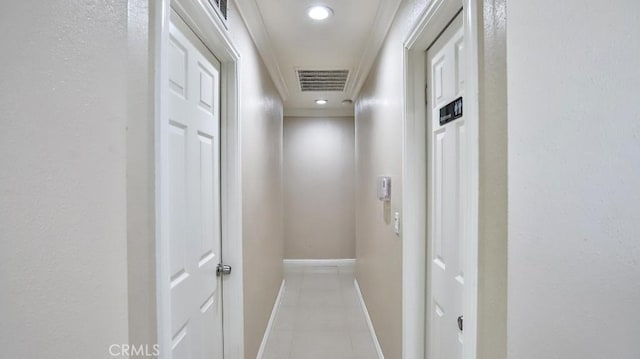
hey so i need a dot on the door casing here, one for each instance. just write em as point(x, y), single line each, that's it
point(414, 159)
point(208, 26)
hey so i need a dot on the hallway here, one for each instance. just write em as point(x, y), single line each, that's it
point(320, 179)
point(320, 316)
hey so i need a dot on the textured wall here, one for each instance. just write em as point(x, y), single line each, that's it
point(141, 190)
point(574, 175)
point(319, 184)
point(71, 157)
point(261, 126)
point(63, 248)
point(379, 111)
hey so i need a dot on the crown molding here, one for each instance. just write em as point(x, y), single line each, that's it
point(319, 112)
point(381, 25)
point(250, 14)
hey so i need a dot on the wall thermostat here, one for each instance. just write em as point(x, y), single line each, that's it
point(384, 188)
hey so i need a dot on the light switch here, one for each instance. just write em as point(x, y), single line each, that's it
point(396, 222)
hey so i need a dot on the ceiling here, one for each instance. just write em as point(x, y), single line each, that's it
point(288, 40)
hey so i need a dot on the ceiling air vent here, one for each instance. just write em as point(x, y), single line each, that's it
point(322, 80)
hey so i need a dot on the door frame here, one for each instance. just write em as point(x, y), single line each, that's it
point(210, 29)
point(415, 284)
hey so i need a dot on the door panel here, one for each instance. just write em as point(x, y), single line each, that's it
point(446, 176)
point(193, 197)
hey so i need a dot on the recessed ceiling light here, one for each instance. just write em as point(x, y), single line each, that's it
point(347, 102)
point(321, 102)
point(319, 12)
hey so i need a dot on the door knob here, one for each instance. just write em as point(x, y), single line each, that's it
point(223, 269)
point(460, 322)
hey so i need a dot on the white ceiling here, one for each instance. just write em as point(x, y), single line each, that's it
point(289, 40)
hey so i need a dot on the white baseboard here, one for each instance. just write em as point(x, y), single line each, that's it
point(369, 323)
point(272, 318)
point(320, 262)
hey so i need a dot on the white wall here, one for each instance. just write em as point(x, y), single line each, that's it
point(319, 181)
point(379, 111)
point(263, 238)
point(574, 179)
point(63, 243)
point(77, 245)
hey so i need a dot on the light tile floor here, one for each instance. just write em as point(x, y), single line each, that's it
point(320, 317)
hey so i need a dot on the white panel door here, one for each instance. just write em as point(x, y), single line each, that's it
point(446, 194)
point(193, 198)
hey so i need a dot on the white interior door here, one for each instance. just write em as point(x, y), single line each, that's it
point(447, 141)
point(192, 159)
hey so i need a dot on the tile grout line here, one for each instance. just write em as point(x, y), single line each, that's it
point(300, 281)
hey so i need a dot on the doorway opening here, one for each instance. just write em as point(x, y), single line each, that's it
point(425, 232)
point(198, 198)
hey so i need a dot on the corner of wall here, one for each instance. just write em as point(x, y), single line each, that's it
point(492, 211)
point(141, 245)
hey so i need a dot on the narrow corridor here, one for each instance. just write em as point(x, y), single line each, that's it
point(320, 316)
point(161, 161)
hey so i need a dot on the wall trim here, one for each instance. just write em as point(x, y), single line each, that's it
point(320, 262)
point(250, 14)
point(372, 330)
point(415, 286)
point(272, 319)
